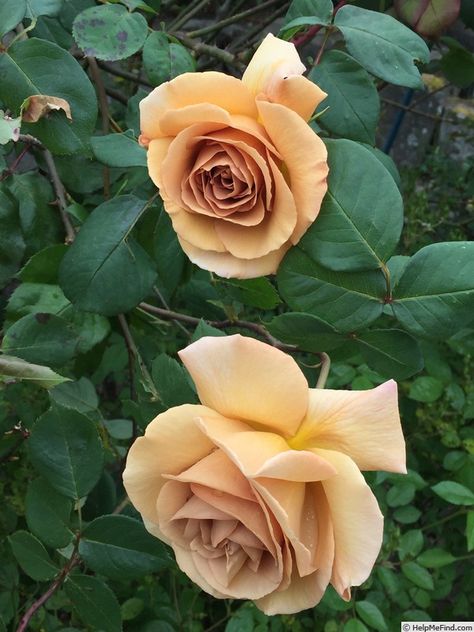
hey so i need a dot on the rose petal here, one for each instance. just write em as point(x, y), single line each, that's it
point(158, 452)
point(365, 425)
point(199, 228)
point(357, 523)
point(246, 379)
point(305, 157)
point(227, 266)
point(275, 70)
point(157, 151)
point(185, 561)
point(188, 89)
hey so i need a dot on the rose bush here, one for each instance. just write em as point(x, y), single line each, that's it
point(259, 490)
point(241, 173)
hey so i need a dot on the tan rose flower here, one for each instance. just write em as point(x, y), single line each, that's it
point(259, 490)
point(241, 173)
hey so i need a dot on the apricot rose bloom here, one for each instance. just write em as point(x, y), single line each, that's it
point(240, 172)
point(259, 490)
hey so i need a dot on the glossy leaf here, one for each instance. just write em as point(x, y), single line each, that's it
point(163, 60)
point(454, 493)
point(384, 46)
point(118, 150)
point(435, 558)
point(391, 352)
point(370, 614)
point(303, 13)
point(353, 101)
point(47, 514)
point(12, 13)
point(32, 556)
point(12, 368)
point(305, 331)
point(172, 382)
point(94, 602)
point(418, 575)
point(12, 245)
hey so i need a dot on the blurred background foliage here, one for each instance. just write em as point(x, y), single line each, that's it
point(107, 374)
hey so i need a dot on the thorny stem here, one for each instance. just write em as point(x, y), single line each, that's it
point(104, 110)
point(324, 371)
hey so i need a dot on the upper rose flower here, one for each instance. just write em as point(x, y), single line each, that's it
point(241, 173)
point(259, 490)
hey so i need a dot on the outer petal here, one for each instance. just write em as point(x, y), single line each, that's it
point(365, 425)
point(226, 265)
point(214, 88)
point(357, 523)
point(305, 158)
point(275, 70)
point(246, 379)
point(172, 443)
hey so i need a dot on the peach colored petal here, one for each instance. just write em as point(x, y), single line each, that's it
point(157, 151)
point(185, 561)
point(275, 70)
point(199, 227)
point(365, 425)
point(213, 88)
point(274, 231)
point(158, 452)
point(227, 266)
point(305, 158)
point(357, 523)
point(243, 378)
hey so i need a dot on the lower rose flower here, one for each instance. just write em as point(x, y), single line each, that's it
point(259, 490)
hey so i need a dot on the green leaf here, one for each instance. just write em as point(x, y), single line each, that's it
point(370, 614)
point(12, 13)
point(426, 389)
point(43, 7)
point(348, 300)
point(109, 32)
point(355, 232)
point(163, 60)
point(41, 339)
point(11, 367)
point(354, 625)
point(390, 352)
point(435, 295)
point(80, 396)
point(458, 66)
point(32, 556)
point(435, 558)
point(168, 254)
point(306, 331)
point(120, 547)
point(66, 450)
point(105, 271)
point(454, 493)
point(47, 514)
point(418, 575)
point(37, 67)
point(119, 150)
point(305, 13)
point(12, 245)
point(9, 128)
point(203, 329)
point(353, 100)
point(131, 608)
point(400, 494)
point(258, 293)
point(95, 603)
point(383, 45)
point(43, 266)
point(407, 514)
point(172, 382)
point(470, 530)
point(411, 543)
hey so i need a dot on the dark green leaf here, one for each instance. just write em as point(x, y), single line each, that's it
point(43, 266)
point(168, 254)
point(203, 329)
point(354, 625)
point(391, 352)
point(384, 46)
point(41, 339)
point(110, 32)
point(411, 543)
point(37, 67)
point(454, 493)
point(105, 270)
point(120, 547)
point(306, 331)
point(18, 369)
point(32, 556)
point(370, 614)
point(407, 515)
point(435, 558)
point(470, 530)
point(12, 13)
point(458, 66)
point(118, 150)
point(43, 7)
point(95, 603)
point(163, 60)
point(254, 292)
point(80, 396)
point(66, 450)
point(400, 494)
point(353, 100)
point(47, 514)
point(172, 382)
point(425, 389)
point(348, 300)
point(12, 245)
point(435, 295)
point(355, 232)
point(418, 575)
point(305, 13)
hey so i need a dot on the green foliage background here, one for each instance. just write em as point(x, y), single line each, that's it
point(97, 299)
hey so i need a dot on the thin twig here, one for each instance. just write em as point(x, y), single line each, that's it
point(61, 196)
point(324, 372)
point(123, 74)
point(407, 108)
point(213, 51)
point(161, 298)
point(132, 356)
point(191, 12)
point(104, 110)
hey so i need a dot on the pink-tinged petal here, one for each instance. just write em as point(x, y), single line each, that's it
point(275, 71)
point(357, 523)
point(245, 379)
point(305, 158)
point(365, 425)
point(213, 88)
point(172, 443)
point(229, 267)
point(258, 453)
